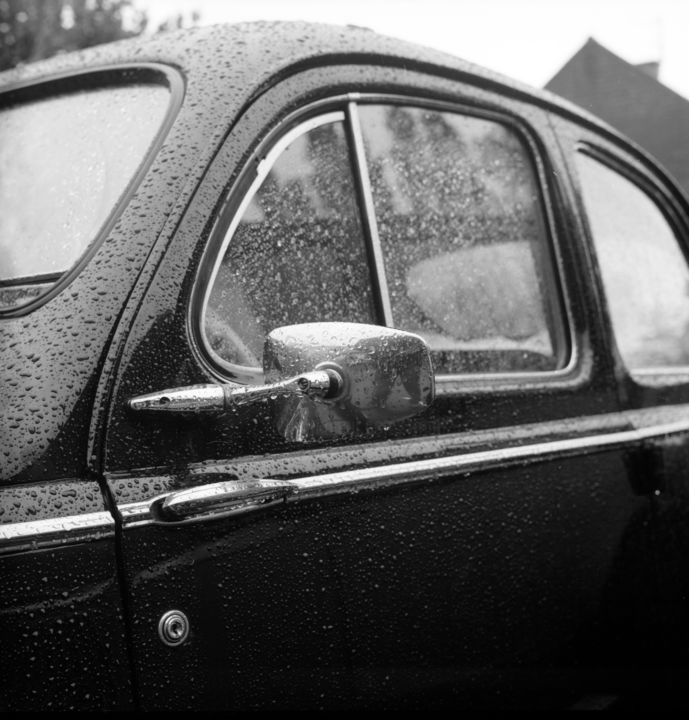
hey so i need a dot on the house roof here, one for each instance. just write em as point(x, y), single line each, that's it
point(631, 100)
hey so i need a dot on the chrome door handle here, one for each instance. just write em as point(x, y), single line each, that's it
point(232, 497)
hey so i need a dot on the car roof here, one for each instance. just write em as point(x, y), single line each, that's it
point(244, 56)
point(227, 66)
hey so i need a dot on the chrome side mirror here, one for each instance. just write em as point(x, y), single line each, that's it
point(378, 376)
point(325, 379)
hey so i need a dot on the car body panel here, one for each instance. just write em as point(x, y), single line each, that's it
point(650, 624)
point(62, 617)
point(479, 555)
point(349, 628)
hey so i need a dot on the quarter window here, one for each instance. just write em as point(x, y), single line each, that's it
point(297, 253)
point(644, 271)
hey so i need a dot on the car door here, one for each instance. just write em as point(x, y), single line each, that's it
point(461, 555)
point(636, 224)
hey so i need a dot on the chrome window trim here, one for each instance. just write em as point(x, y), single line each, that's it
point(429, 470)
point(68, 530)
point(370, 221)
point(446, 384)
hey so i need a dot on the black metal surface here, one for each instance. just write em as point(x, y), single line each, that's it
point(520, 587)
point(63, 629)
point(274, 581)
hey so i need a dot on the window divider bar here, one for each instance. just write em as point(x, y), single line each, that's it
point(374, 249)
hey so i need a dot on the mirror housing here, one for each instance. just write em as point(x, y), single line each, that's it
point(324, 380)
point(382, 376)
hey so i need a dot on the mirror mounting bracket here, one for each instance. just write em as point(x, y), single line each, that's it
point(325, 384)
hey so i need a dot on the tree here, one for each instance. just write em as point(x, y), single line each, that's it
point(178, 21)
point(35, 29)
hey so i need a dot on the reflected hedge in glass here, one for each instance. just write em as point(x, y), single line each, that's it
point(463, 238)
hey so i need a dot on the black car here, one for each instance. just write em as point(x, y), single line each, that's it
point(336, 373)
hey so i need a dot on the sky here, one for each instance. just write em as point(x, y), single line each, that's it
point(529, 40)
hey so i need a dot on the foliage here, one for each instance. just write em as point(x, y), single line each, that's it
point(35, 29)
point(178, 21)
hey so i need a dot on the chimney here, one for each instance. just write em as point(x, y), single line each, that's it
point(650, 68)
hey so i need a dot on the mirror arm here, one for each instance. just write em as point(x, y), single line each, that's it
point(325, 383)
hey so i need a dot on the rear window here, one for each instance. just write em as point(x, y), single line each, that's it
point(65, 161)
point(644, 270)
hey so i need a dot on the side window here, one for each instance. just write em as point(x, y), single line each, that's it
point(297, 253)
point(64, 163)
point(463, 239)
point(456, 217)
point(644, 270)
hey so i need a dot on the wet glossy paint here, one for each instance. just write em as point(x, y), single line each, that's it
point(489, 586)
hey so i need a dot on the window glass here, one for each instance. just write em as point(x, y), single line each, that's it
point(644, 271)
point(297, 254)
point(463, 238)
point(64, 163)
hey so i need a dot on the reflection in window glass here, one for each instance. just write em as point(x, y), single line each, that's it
point(463, 238)
point(64, 163)
point(644, 271)
point(297, 254)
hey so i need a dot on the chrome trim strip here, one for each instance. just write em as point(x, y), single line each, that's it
point(369, 216)
point(416, 471)
point(654, 431)
point(435, 468)
point(265, 165)
point(64, 530)
point(680, 370)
